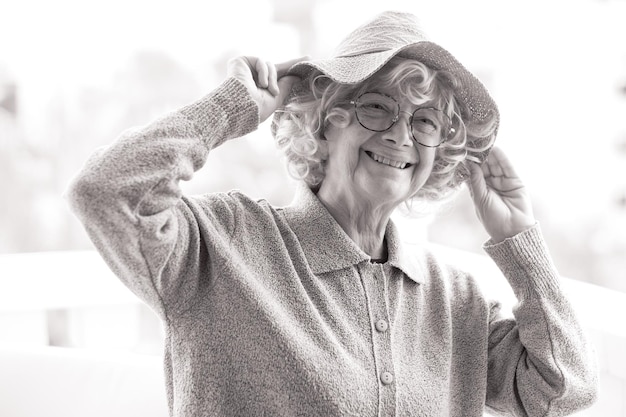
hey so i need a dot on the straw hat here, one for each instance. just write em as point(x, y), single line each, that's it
point(368, 48)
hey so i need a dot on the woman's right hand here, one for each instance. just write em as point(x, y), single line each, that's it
point(267, 83)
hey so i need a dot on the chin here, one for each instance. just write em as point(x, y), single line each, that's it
point(387, 192)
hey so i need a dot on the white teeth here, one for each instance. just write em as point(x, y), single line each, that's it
point(387, 161)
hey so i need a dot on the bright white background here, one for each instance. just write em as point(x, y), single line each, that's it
point(83, 71)
point(74, 74)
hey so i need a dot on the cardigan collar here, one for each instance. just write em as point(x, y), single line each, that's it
point(329, 248)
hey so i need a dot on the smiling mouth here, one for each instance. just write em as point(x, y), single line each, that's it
point(389, 162)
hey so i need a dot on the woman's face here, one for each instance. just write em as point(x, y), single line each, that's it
point(383, 168)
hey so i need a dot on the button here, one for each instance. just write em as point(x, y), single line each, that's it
point(381, 325)
point(386, 378)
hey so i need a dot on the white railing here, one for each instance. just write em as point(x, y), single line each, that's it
point(73, 299)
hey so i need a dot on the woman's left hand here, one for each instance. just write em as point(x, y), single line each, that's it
point(501, 201)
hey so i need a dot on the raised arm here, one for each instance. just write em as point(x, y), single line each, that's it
point(128, 197)
point(540, 363)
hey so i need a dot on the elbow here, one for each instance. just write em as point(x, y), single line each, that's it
point(83, 196)
point(585, 396)
point(591, 376)
point(588, 394)
point(591, 385)
point(583, 386)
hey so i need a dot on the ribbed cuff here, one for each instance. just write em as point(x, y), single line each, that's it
point(526, 263)
point(227, 112)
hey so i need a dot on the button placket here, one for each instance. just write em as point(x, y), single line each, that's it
point(374, 284)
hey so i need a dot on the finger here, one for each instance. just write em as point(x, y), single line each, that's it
point(484, 167)
point(283, 67)
point(285, 84)
point(238, 67)
point(493, 165)
point(272, 79)
point(262, 73)
point(477, 184)
point(503, 162)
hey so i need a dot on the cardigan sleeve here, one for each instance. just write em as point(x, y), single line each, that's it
point(128, 197)
point(540, 363)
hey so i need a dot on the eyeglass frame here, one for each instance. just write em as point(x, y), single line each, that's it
point(397, 117)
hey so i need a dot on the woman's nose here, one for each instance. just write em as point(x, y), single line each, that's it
point(401, 133)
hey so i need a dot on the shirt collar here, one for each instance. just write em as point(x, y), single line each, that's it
point(328, 248)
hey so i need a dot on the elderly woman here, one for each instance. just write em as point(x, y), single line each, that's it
point(318, 308)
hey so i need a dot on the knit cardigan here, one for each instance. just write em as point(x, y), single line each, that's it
point(275, 311)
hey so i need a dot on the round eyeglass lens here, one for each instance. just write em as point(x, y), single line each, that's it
point(430, 126)
point(376, 111)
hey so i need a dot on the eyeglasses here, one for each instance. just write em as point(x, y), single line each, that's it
point(378, 112)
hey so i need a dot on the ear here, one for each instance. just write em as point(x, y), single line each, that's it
point(339, 117)
point(323, 149)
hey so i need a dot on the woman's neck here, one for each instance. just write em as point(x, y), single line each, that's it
point(361, 221)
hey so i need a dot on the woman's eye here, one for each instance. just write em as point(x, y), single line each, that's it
point(426, 125)
point(374, 110)
point(374, 106)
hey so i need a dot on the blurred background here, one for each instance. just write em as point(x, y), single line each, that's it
point(75, 74)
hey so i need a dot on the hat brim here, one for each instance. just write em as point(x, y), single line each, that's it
point(357, 68)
